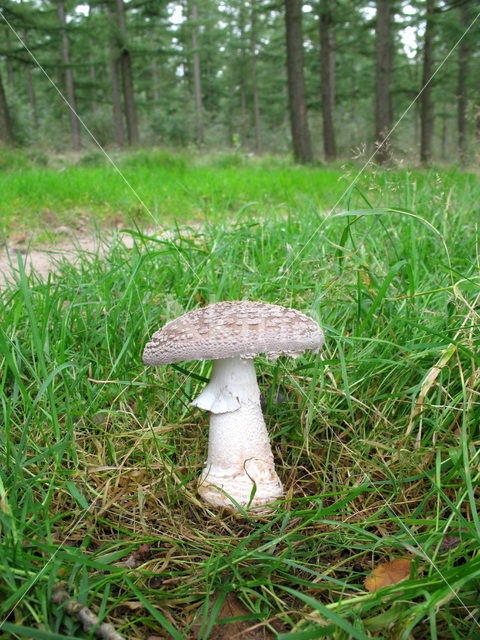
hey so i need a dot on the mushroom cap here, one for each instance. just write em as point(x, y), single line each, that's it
point(233, 328)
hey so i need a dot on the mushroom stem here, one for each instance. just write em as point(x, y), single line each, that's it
point(239, 455)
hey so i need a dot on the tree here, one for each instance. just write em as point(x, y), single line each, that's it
point(383, 73)
point(126, 72)
point(196, 74)
point(253, 65)
point(6, 131)
point(427, 114)
point(302, 149)
point(327, 74)
point(115, 82)
point(462, 95)
point(69, 84)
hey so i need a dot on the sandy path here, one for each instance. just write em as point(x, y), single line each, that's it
point(44, 260)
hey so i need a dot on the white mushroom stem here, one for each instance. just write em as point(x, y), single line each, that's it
point(239, 454)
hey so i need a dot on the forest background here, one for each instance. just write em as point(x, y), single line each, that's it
point(326, 78)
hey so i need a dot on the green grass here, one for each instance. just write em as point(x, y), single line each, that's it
point(154, 188)
point(99, 455)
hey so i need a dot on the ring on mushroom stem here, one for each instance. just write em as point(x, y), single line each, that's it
point(239, 467)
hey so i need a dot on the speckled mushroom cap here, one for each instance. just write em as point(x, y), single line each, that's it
point(228, 329)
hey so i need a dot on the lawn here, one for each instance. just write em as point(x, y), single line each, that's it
point(377, 442)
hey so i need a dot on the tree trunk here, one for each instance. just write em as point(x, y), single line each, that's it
point(29, 84)
point(463, 58)
point(6, 131)
point(155, 90)
point(186, 102)
point(196, 74)
point(69, 84)
point(31, 96)
point(116, 101)
point(115, 83)
point(443, 142)
point(327, 76)
point(93, 80)
point(302, 150)
point(243, 89)
point(426, 122)
point(253, 63)
point(127, 79)
point(8, 58)
point(383, 75)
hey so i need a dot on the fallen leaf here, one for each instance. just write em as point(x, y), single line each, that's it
point(138, 557)
point(250, 629)
point(388, 573)
point(450, 542)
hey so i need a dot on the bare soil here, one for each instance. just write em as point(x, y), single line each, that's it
point(44, 260)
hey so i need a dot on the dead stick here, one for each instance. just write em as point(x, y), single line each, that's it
point(88, 619)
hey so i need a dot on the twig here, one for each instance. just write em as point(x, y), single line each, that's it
point(89, 620)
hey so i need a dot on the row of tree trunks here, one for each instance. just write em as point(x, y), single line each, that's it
point(123, 91)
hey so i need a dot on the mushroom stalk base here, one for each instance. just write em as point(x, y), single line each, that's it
point(239, 467)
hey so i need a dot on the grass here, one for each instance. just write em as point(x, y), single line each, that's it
point(378, 446)
point(154, 188)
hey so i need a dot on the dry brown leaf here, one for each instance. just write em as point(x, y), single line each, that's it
point(388, 573)
point(237, 630)
point(138, 557)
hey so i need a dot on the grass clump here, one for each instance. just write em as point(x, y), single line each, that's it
point(377, 444)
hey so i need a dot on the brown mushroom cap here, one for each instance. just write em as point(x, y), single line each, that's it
point(237, 328)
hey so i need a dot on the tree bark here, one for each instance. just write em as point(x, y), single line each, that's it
point(383, 75)
point(463, 59)
point(427, 116)
point(29, 84)
point(93, 79)
point(443, 141)
point(243, 88)
point(327, 77)
point(253, 63)
point(6, 131)
point(8, 58)
point(69, 84)
point(31, 96)
point(115, 84)
point(196, 74)
point(302, 149)
point(155, 89)
point(127, 79)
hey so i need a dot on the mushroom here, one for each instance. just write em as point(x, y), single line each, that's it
point(239, 467)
